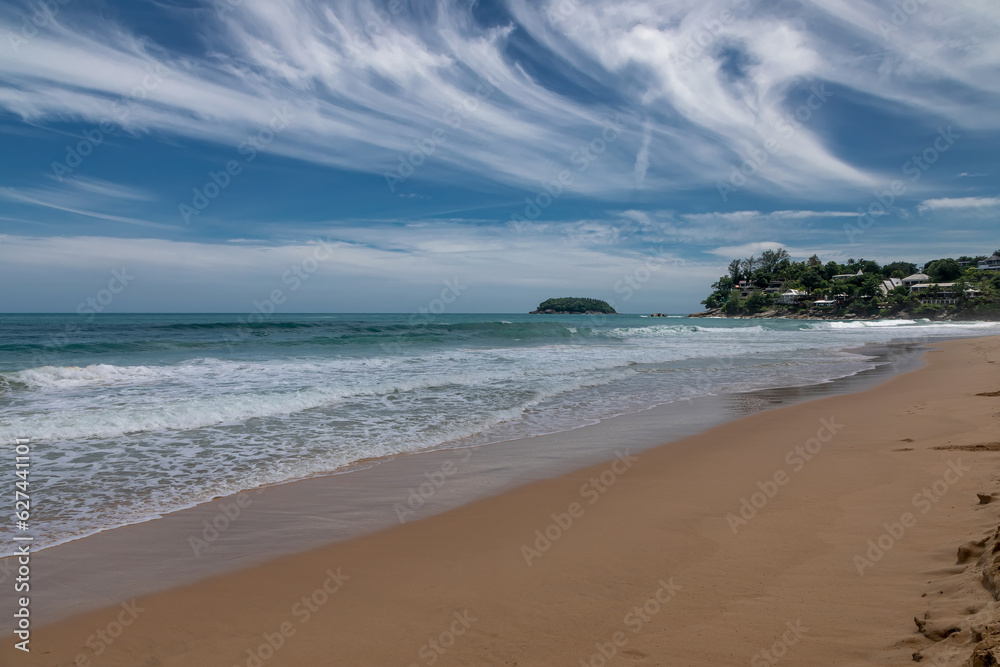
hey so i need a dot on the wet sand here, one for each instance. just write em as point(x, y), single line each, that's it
point(241, 531)
point(709, 550)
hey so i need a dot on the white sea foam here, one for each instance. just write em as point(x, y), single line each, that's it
point(123, 442)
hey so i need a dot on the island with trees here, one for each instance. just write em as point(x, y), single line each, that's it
point(773, 285)
point(573, 306)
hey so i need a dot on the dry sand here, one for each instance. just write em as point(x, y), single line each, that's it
point(862, 502)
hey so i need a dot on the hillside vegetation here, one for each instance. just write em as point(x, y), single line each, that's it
point(573, 306)
point(976, 293)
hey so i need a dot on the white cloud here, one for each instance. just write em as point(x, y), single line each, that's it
point(361, 99)
point(746, 249)
point(773, 215)
point(642, 157)
point(959, 203)
point(392, 268)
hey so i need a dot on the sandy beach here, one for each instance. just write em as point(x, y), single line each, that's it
point(815, 534)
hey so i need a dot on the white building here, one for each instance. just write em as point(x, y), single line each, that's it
point(792, 297)
point(889, 285)
point(944, 294)
point(991, 264)
point(848, 276)
point(916, 279)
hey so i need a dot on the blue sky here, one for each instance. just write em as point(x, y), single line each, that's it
point(366, 152)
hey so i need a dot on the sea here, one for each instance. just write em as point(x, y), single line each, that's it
point(133, 416)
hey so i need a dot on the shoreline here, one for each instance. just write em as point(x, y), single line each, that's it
point(176, 548)
point(661, 517)
point(822, 316)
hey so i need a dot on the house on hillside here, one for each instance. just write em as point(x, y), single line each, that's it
point(991, 264)
point(916, 279)
point(775, 286)
point(848, 276)
point(747, 289)
point(889, 285)
point(792, 297)
point(943, 294)
point(825, 304)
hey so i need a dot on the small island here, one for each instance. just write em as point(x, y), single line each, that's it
point(568, 305)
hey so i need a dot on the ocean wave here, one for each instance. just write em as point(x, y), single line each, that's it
point(882, 324)
point(287, 402)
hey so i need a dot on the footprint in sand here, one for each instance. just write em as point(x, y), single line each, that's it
point(634, 655)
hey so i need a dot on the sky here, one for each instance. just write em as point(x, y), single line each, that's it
point(370, 156)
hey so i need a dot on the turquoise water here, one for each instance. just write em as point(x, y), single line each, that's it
point(132, 416)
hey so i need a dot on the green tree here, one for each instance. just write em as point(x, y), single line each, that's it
point(870, 286)
point(732, 305)
point(812, 278)
point(771, 259)
point(899, 269)
point(571, 305)
point(734, 270)
point(720, 292)
point(943, 270)
point(757, 302)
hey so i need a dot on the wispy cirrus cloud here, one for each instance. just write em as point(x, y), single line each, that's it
point(367, 85)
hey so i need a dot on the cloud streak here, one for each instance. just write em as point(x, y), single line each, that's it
point(959, 203)
point(367, 84)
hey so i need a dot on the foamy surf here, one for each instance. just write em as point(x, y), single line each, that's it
point(144, 415)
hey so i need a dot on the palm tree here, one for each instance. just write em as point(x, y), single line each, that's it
point(734, 271)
